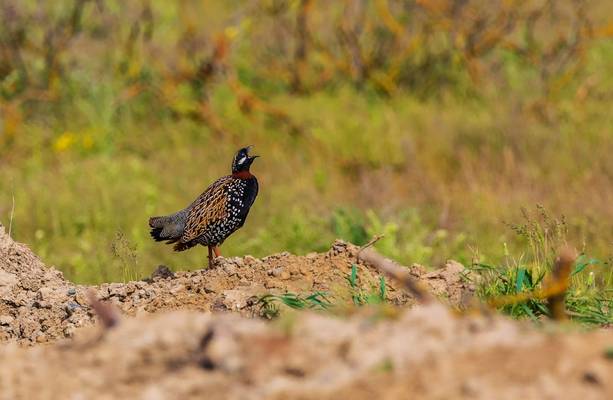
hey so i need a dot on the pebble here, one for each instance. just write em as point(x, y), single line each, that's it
point(71, 307)
point(209, 289)
point(249, 259)
point(270, 283)
point(6, 319)
point(230, 269)
point(81, 299)
point(44, 293)
point(275, 272)
point(42, 304)
point(177, 289)
point(72, 291)
point(69, 330)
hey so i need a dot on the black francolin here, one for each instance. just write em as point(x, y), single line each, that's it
point(215, 214)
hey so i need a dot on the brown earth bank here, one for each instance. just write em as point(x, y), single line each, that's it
point(38, 305)
point(166, 347)
point(427, 352)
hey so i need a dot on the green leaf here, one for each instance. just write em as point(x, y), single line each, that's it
point(519, 279)
point(354, 276)
point(582, 263)
point(382, 288)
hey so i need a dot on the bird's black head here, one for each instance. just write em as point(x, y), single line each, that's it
point(242, 160)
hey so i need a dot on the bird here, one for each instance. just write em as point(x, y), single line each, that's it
point(217, 213)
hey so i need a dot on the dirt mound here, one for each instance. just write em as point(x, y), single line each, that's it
point(38, 305)
point(34, 299)
point(427, 351)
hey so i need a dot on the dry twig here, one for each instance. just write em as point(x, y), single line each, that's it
point(396, 272)
point(107, 314)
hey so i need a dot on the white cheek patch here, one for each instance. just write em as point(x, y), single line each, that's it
point(242, 160)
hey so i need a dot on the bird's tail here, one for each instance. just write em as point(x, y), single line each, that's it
point(167, 228)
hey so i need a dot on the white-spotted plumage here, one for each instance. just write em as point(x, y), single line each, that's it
point(218, 212)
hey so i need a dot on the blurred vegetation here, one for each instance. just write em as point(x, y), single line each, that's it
point(430, 121)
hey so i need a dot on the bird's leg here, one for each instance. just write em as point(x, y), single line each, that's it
point(210, 256)
point(217, 251)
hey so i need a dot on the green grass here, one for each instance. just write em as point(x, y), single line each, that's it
point(269, 304)
point(588, 305)
point(592, 306)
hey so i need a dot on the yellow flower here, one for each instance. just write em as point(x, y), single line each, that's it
point(64, 142)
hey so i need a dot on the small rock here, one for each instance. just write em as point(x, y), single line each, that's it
point(304, 269)
point(42, 304)
point(116, 289)
point(7, 281)
point(41, 338)
point(72, 291)
point(218, 305)
point(71, 307)
point(6, 319)
point(209, 289)
point(235, 299)
point(270, 284)
point(591, 377)
point(230, 269)
point(103, 293)
point(129, 289)
point(44, 294)
point(162, 272)
point(249, 260)
point(69, 330)
point(177, 289)
point(81, 299)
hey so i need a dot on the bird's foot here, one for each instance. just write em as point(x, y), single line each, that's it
point(214, 262)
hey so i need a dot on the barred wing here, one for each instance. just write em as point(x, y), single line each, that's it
point(209, 207)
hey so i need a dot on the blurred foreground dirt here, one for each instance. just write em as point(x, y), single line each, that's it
point(160, 352)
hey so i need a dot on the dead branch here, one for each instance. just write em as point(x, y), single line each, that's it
point(397, 272)
point(554, 290)
point(107, 314)
point(561, 280)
